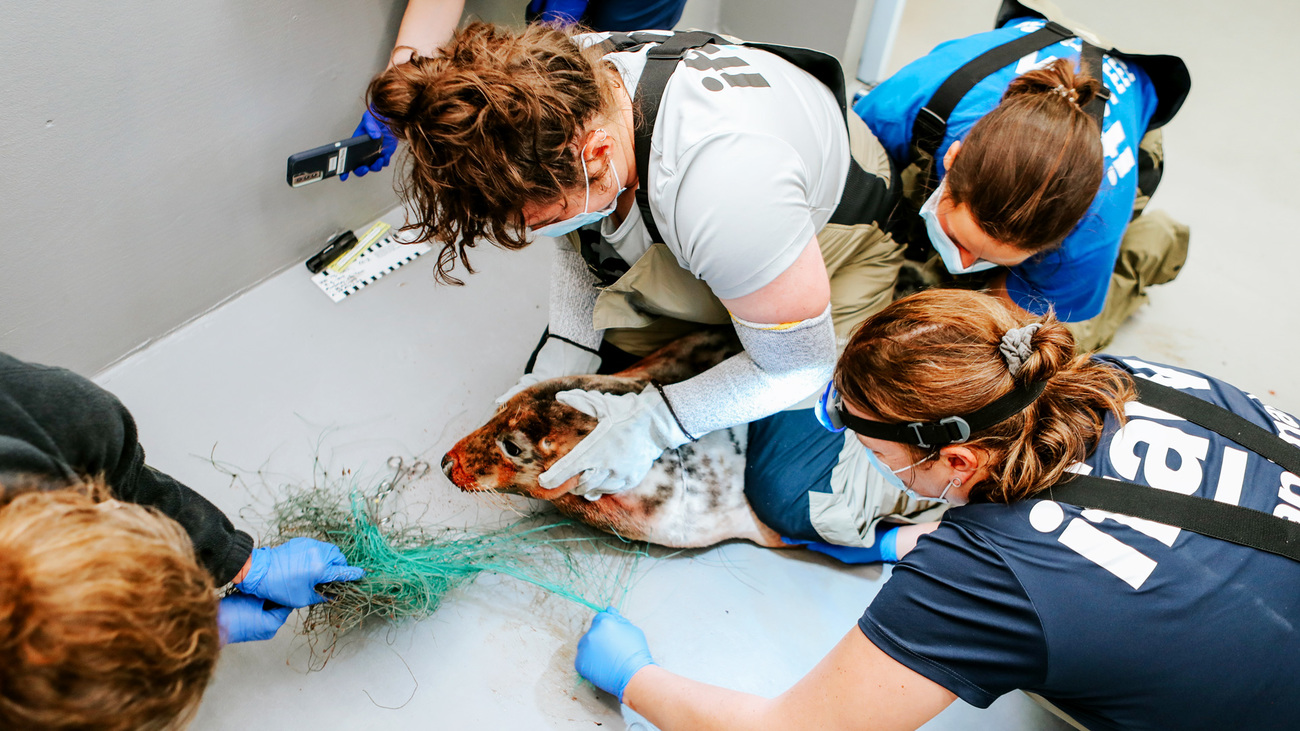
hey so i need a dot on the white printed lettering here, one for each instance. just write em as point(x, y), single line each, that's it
point(1125, 163)
point(1080, 468)
point(1281, 417)
point(1111, 139)
point(1166, 534)
point(1287, 490)
point(1161, 441)
point(1232, 475)
point(1286, 425)
point(1120, 559)
point(1031, 62)
point(1287, 512)
point(1046, 516)
point(1168, 376)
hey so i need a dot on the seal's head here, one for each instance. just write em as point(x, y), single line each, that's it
point(528, 434)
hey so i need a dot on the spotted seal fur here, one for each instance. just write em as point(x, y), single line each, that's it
point(694, 495)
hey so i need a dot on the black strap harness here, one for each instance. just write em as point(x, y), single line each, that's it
point(1244, 526)
point(950, 429)
point(864, 199)
point(932, 121)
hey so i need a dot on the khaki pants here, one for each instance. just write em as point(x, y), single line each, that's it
point(1153, 250)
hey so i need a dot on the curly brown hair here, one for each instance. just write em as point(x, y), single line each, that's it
point(935, 354)
point(1030, 168)
point(107, 620)
point(491, 125)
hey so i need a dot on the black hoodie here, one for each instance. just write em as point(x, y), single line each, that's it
point(56, 424)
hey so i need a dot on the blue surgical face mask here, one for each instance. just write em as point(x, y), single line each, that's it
point(560, 228)
point(948, 251)
point(892, 478)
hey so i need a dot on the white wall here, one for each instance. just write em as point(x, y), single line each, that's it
point(143, 147)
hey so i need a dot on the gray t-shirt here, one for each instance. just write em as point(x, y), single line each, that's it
point(748, 160)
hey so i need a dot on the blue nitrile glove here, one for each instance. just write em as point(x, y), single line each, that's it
point(288, 574)
point(243, 618)
point(633, 430)
point(885, 549)
point(611, 652)
point(375, 127)
point(557, 11)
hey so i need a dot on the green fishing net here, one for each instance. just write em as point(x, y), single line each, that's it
point(411, 567)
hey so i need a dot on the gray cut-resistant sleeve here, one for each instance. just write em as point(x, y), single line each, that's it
point(780, 366)
point(573, 297)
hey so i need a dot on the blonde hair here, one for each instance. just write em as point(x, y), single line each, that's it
point(936, 354)
point(107, 620)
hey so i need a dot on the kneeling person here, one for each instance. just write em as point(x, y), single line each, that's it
point(108, 616)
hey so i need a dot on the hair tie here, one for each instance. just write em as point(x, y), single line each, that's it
point(1016, 348)
point(1069, 95)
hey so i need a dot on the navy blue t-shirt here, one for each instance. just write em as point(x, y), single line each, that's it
point(1122, 623)
point(1074, 277)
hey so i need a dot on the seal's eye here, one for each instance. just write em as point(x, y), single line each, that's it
point(511, 448)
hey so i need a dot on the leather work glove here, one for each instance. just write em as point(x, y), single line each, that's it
point(633, 430)
point(555, 359)
point(375, 127)
point(244, 618)
point(611, 652)
point(288, 574)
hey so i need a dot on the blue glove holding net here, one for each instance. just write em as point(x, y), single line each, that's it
point(244, 618)
point(288, 574)
point(611, 652)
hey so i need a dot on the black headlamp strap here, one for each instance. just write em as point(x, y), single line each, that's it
point(949, 430)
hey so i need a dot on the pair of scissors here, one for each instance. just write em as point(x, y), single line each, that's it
point(402, 473)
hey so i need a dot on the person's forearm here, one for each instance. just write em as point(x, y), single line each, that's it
point(426, 26)
point(672, 702)
point(780, 366)
point(908, 535)
point(573, 294)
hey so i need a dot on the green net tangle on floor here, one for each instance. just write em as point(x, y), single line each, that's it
point(410, 569)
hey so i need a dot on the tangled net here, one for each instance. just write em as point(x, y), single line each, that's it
point(410, 569)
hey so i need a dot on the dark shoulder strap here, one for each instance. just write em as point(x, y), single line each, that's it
point(932, 121)
point(823, 66)
point(1234, 523)
point(661, 61)
point(864, 198)
point(1222, 422)
point(1090, 62)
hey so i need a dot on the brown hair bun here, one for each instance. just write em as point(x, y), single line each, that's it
point(1030, 168)
point(938, 353)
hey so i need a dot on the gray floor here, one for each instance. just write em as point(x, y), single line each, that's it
point(281, 376)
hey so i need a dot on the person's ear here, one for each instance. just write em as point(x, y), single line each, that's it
point(962, 460)
point(950, 156)
point(596, 144)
